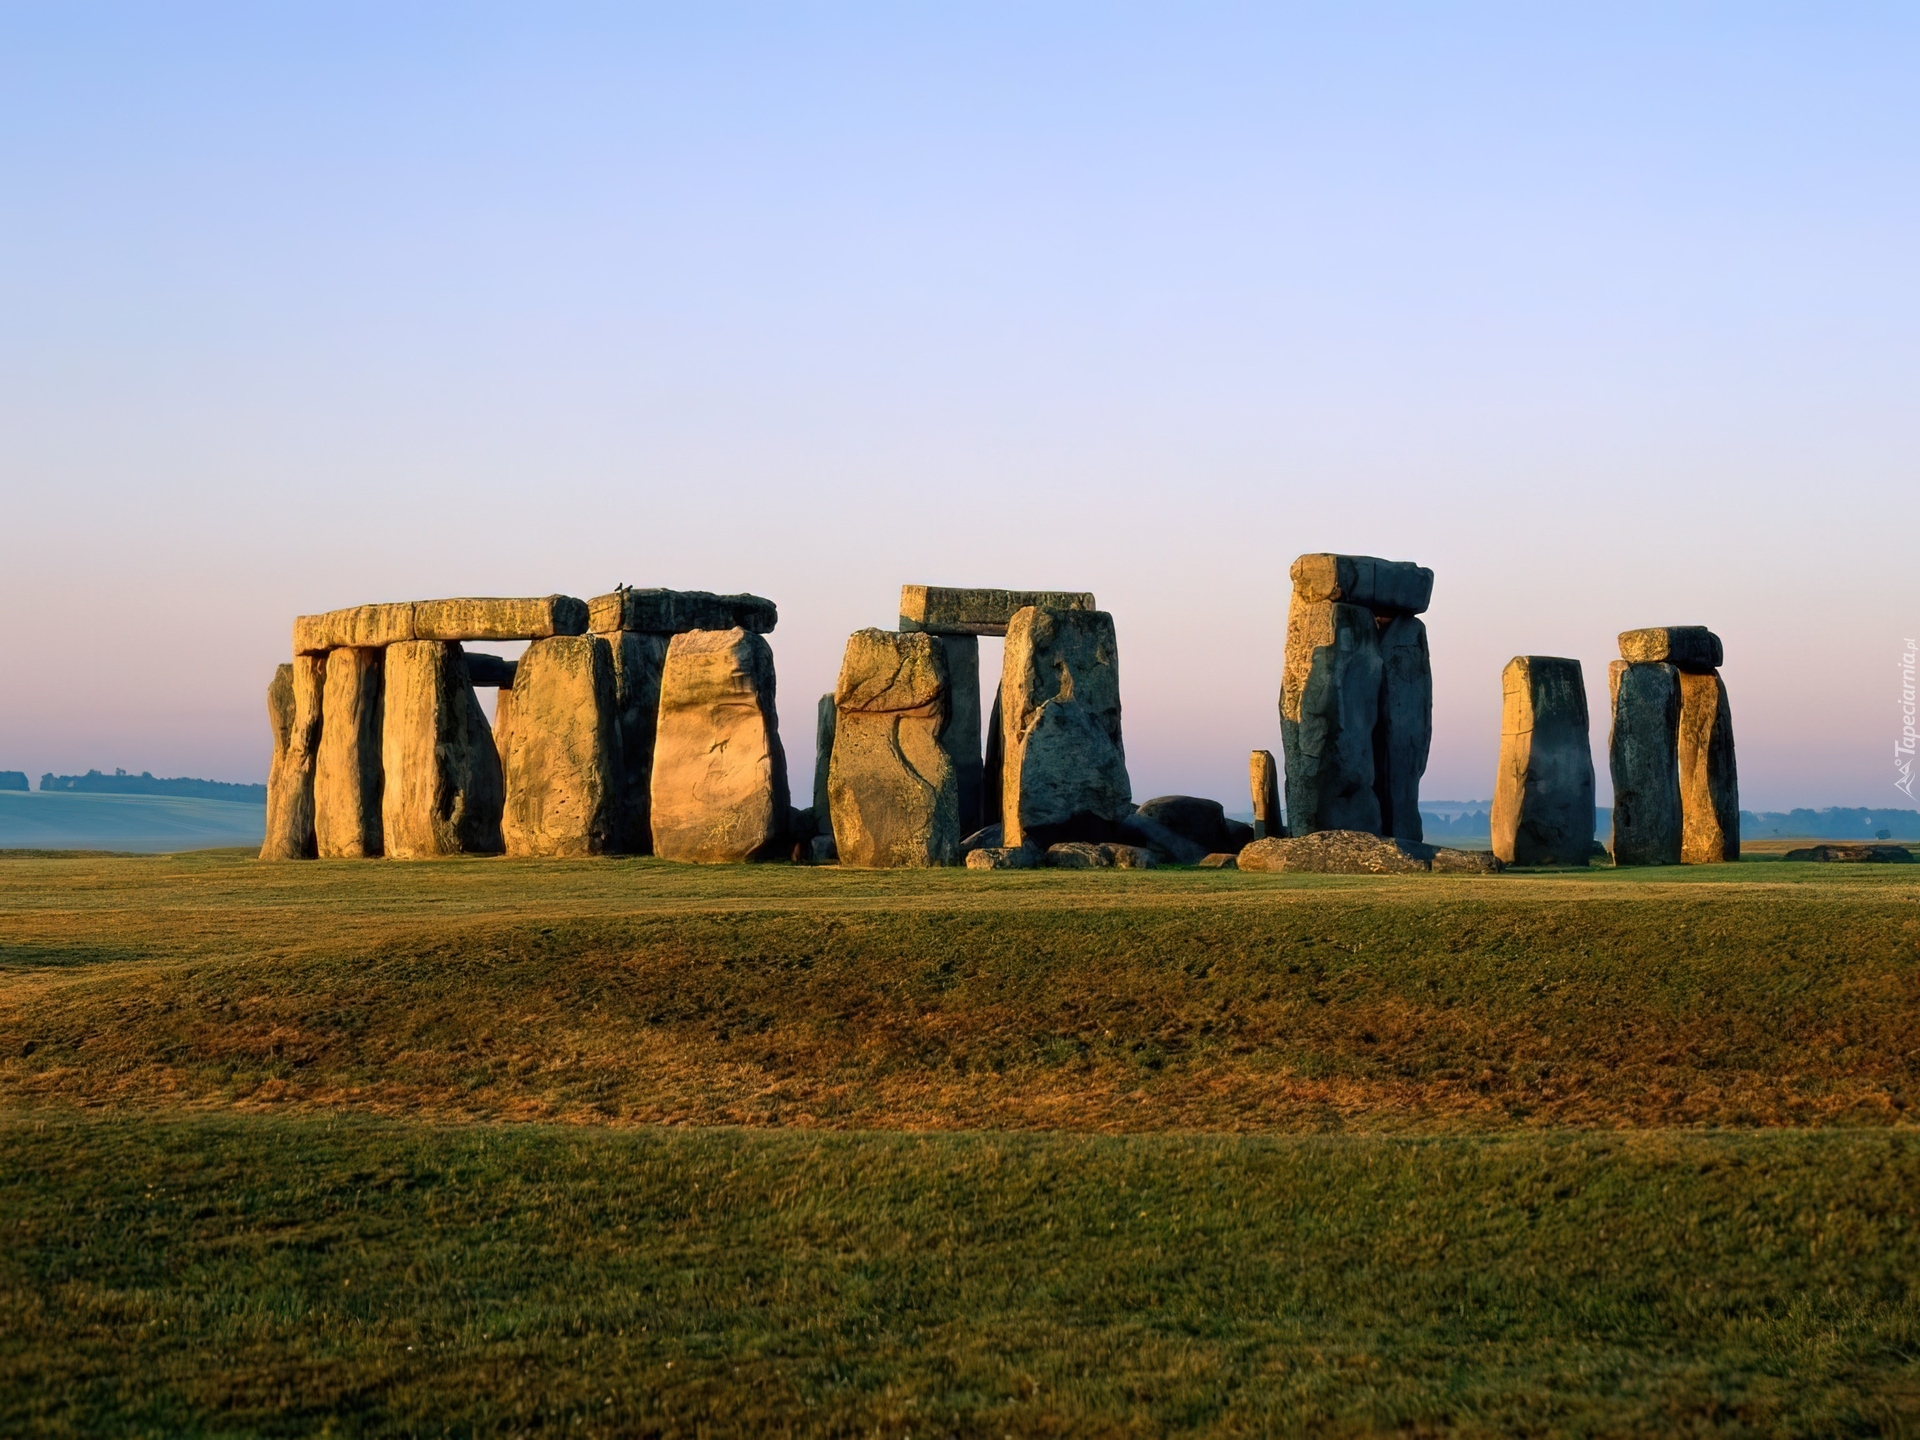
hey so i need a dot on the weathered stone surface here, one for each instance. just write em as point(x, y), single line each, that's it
point(1329, 705)
point(961, 738)
point(490, 671)
point(1854, 854)
point(1004, 857)
point(469, 618)
point(442, 794)
point(1064, 769)
point(1386, 587)
point(1692, 648)
point(638, 660)
point(1239, 835)
point(1263, 779)
point(1403, 729)
point(1543, 790)
point(673, 612)
point(719, 772)
point(993, 765)
point(1338, 852)
point(1643, 756)
point(1709, 786)
point(349, 777)
point(1466, 862)
point(1202, 822)
point(893, 792)
point(1085, 855)
point(939, 610)
point(562, 761)
point(987, 837)
point(1168, 847)
point(502, 729)
point(294, 701)
point(826, 720)
point(1224, 861)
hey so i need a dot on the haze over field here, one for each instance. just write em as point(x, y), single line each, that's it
point(1607, 315)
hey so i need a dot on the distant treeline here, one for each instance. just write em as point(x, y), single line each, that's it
point(1834, 823)
point(121, 783)
point(13, 780)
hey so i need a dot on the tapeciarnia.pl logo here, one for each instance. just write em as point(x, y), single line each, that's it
point(1903, 748)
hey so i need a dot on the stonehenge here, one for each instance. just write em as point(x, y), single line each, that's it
point(1543, 790)
point(893, 789)
point(441, 790)
point(293, 711)
point(1676, 793)
point(561, 764)
point(1063, 765)
point(349, 776)
point(719, 785)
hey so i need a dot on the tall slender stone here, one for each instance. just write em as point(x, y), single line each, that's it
point(294, 701)
point(1329, 705)
point(443, 791)
point(1709, 786)
point(894, 793)
point(562, 762)
point(825, 722)
point(719, 772)
point(1543, 790)
point(1064, 769)
point(1643, 755)
point(993, 765)
point(1403, 730)
point(961, 738)
point(638, 660)
point(1263, 780)
point(349, 777)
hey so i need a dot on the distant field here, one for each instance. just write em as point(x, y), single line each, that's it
point(1029, 1153)
point(57, 820)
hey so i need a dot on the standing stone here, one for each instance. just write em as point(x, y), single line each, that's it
point(993, 765)
point(503, 725)
point(893, 790)
point(1329, 704)
point(443, 790)
point(638, 660)
point(1643, 755)
point(1709, 788)
point(1403, 731)
point(1064, 767)
point(1263, 779)
point(294, 700)
point(825, 720)
point(348, 778)
point(961, 738)
point(1543, 791)
point(719, 774)
point(562, 762)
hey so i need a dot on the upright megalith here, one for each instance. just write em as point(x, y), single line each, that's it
point(1329, 707)
point(719, 785)
point(826, 721)
point(893, 792)
point(1403, 728)
point(1543, 791)
point(638, 659)
point(1263, 781)
point(1643, 756)
point(294, 699)
point(961, 737)
point(1064, 767)
point(993, 765)
point(561, 763)
point(443, 793)
point(1709, 786)
point(349, 776)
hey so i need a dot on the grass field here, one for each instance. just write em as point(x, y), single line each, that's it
point(1028, 1153)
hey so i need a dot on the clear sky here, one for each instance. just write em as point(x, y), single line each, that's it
point(1608, 313)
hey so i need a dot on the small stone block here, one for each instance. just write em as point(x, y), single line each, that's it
point(1692, 648)
point(1386, 587)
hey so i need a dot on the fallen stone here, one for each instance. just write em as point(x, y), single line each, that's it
point(471, 618)
point(825, 719)
point(1693, 648)
point(892, 788)
point(1466, 862)
point(443, 792)
point(1221, 862)
point(1709, 786)
point(1543, 790)
point(1386, 587)
point(490, 671)
point(673, 612)
point(1168, 847)
point(1329, 705)
point(562, 761)
point(1003, 857)
point(1338, 852)
point(1084, 855)
point(719, 791)
point(1197, 821)
point(294, 712)
point(1403, 728)
point(1853, 854)
point(638, 660)
point(1643, 756)
point(349, 777)
point(1263, 779)
point(961, 737)
point(942, 611)
point(1064, 768)
point(987, 837)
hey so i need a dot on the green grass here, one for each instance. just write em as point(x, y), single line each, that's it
point(955, 1153)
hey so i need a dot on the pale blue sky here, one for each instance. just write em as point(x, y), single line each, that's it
point(1607, 313)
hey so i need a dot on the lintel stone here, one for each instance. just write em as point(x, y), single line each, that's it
point(1386, 587)
point(461, 619)
point(1692, 648)
point(940, 610)
point(674, 612)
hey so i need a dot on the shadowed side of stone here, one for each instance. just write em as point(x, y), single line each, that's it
point(562, 761)
point(1543, 789)
point(1356, 852)
point(1643, 756)
point(1692, 648)
point(961, 738)
point(826, 719)
point(443, 791)
point(1403, 729)
point(638, 660)
point(1709, 784)
point(349, 778)
point(1385, 587)
point(892, 788)
point(1329, 705)
point(719, 773)
point(1064, 767)
point(1263, 782)
point(294, 699)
